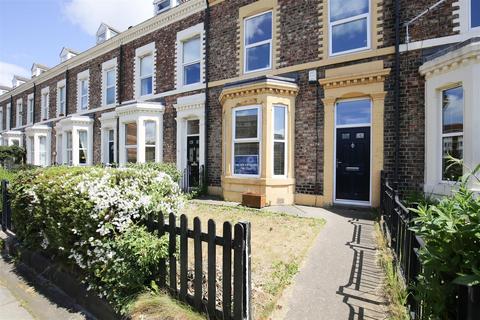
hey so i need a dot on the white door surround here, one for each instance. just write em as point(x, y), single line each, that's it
point(189, 108)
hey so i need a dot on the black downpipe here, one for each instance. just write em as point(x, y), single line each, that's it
point(397, 92)
point(66, 92)
point(120, 95)
point(207, 105)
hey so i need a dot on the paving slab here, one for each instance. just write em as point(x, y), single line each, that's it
point(341, 278)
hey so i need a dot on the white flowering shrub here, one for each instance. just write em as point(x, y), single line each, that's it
point(94, 218)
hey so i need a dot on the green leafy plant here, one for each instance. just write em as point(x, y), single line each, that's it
point(12, 155)
point(91, 218)
point(168, 168)
point(451, 256)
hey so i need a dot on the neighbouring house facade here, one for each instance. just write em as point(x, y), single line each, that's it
point(305, 102)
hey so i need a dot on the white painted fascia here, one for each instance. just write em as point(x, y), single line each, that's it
point(106, 66)
point(191, 32)
point(84, 75)
point(148, 49)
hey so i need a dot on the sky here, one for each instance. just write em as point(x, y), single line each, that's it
point(37, 30)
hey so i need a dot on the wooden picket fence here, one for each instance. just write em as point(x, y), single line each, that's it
point(236, 252)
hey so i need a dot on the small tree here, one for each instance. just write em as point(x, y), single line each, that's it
point(12, 155)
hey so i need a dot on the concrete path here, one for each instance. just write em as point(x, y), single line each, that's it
point(21, 301)
point(340, 278)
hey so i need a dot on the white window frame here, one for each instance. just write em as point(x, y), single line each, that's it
point(19, 113)
point(1, 119)
point(84, 149)
point(141, 52)
point(30, 109)
point(45, 103)
point(107, 66)
point(130, 146)
point(58, 148)
point(256, 44)
point(83, 76)
point(182, 37)
point(453, 134)
point(69, 150)
point(8, 124)
point(247, 140)
point(61, 85)
point(284, 141)
point(346, 20)
point(34, 135)
point(145, 145)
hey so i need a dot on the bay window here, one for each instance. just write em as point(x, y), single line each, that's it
point(111, 146)
point(258, 42)
point(42, 141)
point(150, 141)
point(59, 148)
point(30, 150)
point(452, 132)
point(191, 61)
point(131, 142)
point(82, 146)
point(69, 148)
point(349, 25)
point(1, 119)
point(246, 141)
point(8, 117)
point(279, 140)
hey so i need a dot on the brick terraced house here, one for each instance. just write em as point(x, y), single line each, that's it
point(304, 101)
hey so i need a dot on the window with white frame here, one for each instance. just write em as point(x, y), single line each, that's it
point(452, 132)
point(8, 117)
point(131, 142)
point(83, 79)
point(349, 26)
point(44, 103)
point(258, 42)
point(42, 146)
point(474, 13)
point(246, 141)
point(146, 75)
point(1, 119)
point(191, 60)
point(109, 82)
point(30, 115)
point(59, 148)
point(19, 113)
point(61, 98)
point(69, 148)
point(150, 140)
point(163, 5)
point(279, 140)
point(82, 146)
point(31, 150)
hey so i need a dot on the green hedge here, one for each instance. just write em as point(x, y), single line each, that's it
point(94, 218)
point(168, 168)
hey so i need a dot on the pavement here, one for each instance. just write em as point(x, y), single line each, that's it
point(340, 278)
point(23, 300)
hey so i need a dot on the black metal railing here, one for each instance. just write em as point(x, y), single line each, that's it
point(189, 183)
point(406, 246)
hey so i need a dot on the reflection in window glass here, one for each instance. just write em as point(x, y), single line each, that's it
point(475, 11)
point(131, 142)
point(258, 42)
point(146, 75)
point(246, 123)
point(191, 61)
point(353, 112)
point(82, 147)
point(349, 25)
point(246, 142)
point(452, 132)
point(193, 127)
point(279, 142)
point(150, 138)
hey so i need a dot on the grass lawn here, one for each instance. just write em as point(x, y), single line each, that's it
point(279, 244)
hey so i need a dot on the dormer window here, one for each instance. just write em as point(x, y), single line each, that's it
point(105, 32)
point(101, 37)
point(164, 5)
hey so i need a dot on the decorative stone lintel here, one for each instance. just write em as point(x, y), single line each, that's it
point(355, 79)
